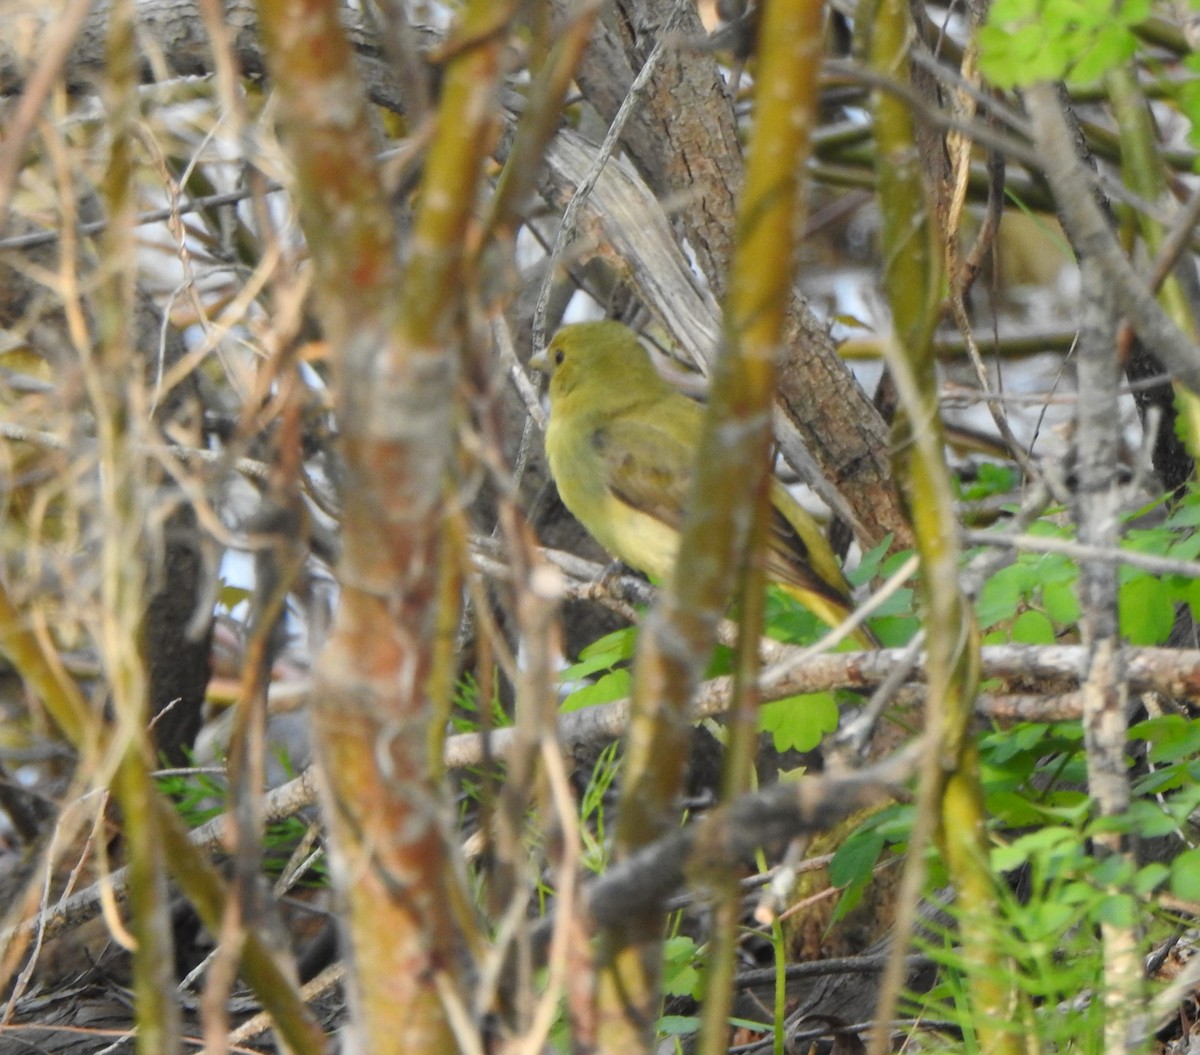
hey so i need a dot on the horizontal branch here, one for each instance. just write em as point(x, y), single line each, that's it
point(735, 831)
point(1082, 551)
point(1174, 672)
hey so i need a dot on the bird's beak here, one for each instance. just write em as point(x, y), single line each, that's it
point(541, 363)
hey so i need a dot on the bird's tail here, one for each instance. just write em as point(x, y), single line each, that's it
point(833, 612)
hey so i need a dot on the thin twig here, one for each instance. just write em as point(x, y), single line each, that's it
point(1081, 551)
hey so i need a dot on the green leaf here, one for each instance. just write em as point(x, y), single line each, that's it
point(894, 823)
point(1026, 41)
point(1117, 910)
point(1187, 548)
point(1046, 528)
point(849, 900)
point(990, 479)
point(1110, 47)
point(678, 1025)
point(1033, 628)
point(1013, 810)
point(1150, 878)
point(852, 864)
point(602, 654)
point(617, 646)
point(1038, 843)
point(895, 631)
point(999, 597)
point(994, 59)
point(855, 858)
point(681, 977)
point(1150, 820)
point(605, 689)
point(1003, 11)
point(1000, 747)
point(1113, 871)
point(788, 620)
point(1047, 919)
point(799, 722)
point(1192, 596)
point(1187, 513)
point(1060, 602)
point(1185, 875)
point(1055, 568)
point(1155, 540)
point(1146, 611)
point(1166, 779)
point(750, 1024)
point(1171, 736)
point(1065, 804)
point(868, 566)
point(1135, 11)
point(1008, 858)
point(721, 662)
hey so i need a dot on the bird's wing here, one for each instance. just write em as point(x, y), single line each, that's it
point(647, 466)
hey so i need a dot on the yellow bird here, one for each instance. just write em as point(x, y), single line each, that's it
point(622, 442)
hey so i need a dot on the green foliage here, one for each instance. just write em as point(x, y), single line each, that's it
point(871, 564)
point(1044, 830)
point(1033, 600)
point(683, 967)
point(854, 861)
point(591, 809)
point(678, 1025)
point(613, 685)
point(1033, 777)
point(1076, 41)
point(1047, 936)
point(1185, 875)
point(200, 794)
point(1030, 600)
point(604, 656)
point(896, 620)
point(789, 621)
point(465, 716)
point(799, 722)
point(991, 481)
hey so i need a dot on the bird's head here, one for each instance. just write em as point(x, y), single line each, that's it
point(597, 360)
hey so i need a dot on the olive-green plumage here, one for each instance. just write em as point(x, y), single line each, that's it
point(621, 443)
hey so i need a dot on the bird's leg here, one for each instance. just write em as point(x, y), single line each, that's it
point(619, 581)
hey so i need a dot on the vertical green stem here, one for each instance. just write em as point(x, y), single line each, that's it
point(113, 381)
point(740, 748)
point(1145, 173)
point(950, 788)
point(731, 479)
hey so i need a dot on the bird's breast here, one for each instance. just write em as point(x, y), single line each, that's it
point(580, 467)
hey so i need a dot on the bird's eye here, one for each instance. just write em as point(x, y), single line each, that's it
point(558, 357)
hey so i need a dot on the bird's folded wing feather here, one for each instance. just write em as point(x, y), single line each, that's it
point(647, 467)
